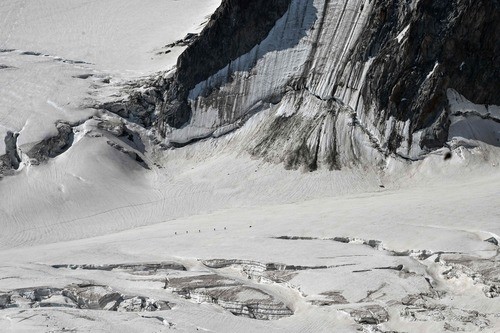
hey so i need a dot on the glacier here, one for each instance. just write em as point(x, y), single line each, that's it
point(250, 166)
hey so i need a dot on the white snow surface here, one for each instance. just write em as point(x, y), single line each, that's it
point(112, 34)
point(112, 38)
point(95, 205)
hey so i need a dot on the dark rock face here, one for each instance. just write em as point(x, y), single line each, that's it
point(11, 158)
point(492, 240)
point(457, 41)
point(140, 105)
point(40, 152)
point(234, 29)
point(53, 146)
point(364, 79)
point(304, 150)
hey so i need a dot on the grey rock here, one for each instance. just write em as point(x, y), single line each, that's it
point(458, 37)
point(53, 146)
point(233, 30)
point(5, 300)
point(492, 240)
point(11, 159)
point(403, 82)
point(349, 103)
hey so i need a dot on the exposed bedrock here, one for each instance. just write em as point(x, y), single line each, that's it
point(342, 82)
point(37, 153)
point(122, 137)
point(53, 146)
point(143, 97)
point(234, 29)
point(11, 159)
point(419, 50)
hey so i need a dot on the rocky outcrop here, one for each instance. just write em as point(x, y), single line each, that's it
point(11, 159)
point(53, 146)
point(417, 51)
point(142, 99)
point(122, 134)
point(39, 152)
point(234, 29)
point(339, 82)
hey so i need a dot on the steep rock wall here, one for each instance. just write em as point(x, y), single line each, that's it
point(343, 82)
point(234, 29)
point(417, 50)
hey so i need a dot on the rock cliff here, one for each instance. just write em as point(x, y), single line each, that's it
point(340, 82)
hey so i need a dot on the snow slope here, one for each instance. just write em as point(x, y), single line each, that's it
point(47, 44)
point(113, 35)
point(431, 217)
